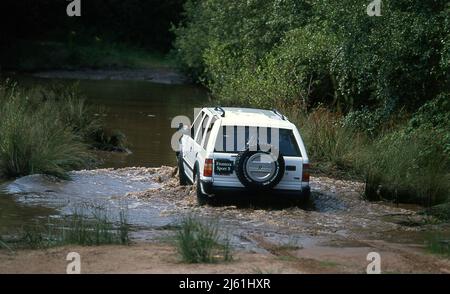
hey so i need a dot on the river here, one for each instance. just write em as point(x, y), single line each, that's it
point(142, 110)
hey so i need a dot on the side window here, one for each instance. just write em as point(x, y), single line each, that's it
point(201, 131)
point(208, 132)
point(196, 124)
point(288, 143)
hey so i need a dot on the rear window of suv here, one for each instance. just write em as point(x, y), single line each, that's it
point(233, 139)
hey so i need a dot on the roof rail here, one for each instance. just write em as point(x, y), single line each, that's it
point(279, 114)
point(218, 108)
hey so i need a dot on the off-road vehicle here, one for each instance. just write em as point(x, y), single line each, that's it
point(227, 150)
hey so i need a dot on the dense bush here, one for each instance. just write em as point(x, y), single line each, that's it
point(402, 163)
point(288, 76)
point(321, 51)
point(242, 27)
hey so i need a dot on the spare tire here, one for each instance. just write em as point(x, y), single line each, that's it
point(258, 169)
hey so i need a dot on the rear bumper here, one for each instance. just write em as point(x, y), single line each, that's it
point(209, 189)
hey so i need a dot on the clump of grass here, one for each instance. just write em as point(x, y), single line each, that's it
point(33, 139)
point(200, 242)
point(47, 130)
point(97, 230)
point(402, 163)
point(331, 146)
point(77, 229)
point(109, 140)
point(405, 169)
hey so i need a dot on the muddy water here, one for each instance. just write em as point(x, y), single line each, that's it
point(38, 197)
point(140, 109)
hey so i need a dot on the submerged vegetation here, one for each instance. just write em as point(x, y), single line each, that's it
point(200, 242)
point(80, 228)
point(48, 130)
point(369, 94)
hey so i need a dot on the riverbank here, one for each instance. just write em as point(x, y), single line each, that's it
point(29, 56)
point(158, 258)
point(334, 233)
point(161, 75)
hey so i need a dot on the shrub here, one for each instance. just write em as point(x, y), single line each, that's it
point(328, 51)
point(49, 130)
point(241, 26)
point(395, 169)
point(330, 144)
point(365, 121)
point(35, 141)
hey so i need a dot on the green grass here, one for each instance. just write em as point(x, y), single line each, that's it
point(83, 229)
point(397, 164)
point(49, 130)
point(403, 170)
point(331, 146)
point(200, 242)
point(96, 53)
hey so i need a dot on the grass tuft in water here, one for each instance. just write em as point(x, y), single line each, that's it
point(200, 242)
point(49, 130)
point(77, 229)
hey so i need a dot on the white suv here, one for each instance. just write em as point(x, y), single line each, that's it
point(241, 149)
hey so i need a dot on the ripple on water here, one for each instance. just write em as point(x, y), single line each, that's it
point(85, 191)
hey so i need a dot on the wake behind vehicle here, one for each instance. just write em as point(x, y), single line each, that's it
point(229, 150)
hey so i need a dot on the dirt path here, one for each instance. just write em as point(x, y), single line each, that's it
point(163, 258)
point(137, 258)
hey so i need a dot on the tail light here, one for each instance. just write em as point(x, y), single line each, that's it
point(207, 170)
point(305, 175)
